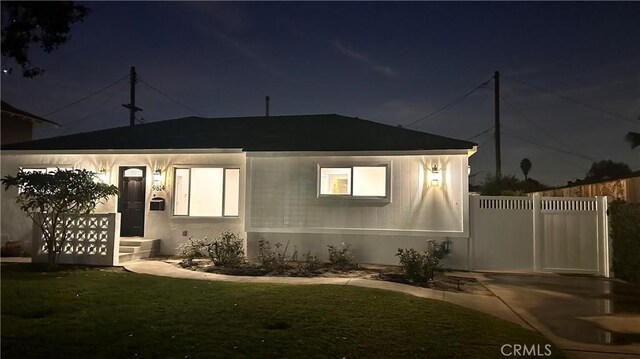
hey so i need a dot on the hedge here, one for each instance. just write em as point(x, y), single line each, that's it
point(624, 231)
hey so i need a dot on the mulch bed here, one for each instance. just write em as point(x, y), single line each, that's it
point(443, 281)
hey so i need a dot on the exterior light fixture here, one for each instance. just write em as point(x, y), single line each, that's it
point(158, 180)
point(435, 176)
point(101, 175)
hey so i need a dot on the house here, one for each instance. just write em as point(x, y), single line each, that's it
point(17, 125)
point(307, 180)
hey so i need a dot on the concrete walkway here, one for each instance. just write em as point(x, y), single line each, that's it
point(586, 317)
point(482, 303)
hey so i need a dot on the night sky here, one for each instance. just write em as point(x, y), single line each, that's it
point(392, 63)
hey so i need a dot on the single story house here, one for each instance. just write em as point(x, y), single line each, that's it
point(308, 180)
point(17, 124)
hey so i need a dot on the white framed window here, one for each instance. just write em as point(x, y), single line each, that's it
point(353, 181)
point(42, 169)
point(206, 192)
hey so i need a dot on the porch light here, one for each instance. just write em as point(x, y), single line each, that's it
point(435, 176)
point(158, 180)
point(101, 175)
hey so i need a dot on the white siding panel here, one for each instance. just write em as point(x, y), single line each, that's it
point(284, 196)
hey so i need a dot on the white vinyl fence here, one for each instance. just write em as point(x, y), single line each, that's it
point(540, 234)
point(92, 239)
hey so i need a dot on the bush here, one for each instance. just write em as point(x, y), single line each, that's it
point(12, 249)
point(227, 251)
point(273, 260)
point(625, 240)
point(340, 257)
point(191, 249)
point(419, 267)
point(509, 185)
point(311, 263)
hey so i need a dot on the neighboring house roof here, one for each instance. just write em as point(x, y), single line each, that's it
point(8, 110)
point(274, 133)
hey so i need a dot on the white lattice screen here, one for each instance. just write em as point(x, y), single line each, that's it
point(91, 239)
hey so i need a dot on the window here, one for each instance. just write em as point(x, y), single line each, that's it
point(356, 181)
point(44, 169)
point(206, 192)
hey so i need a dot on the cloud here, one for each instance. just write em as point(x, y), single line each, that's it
point(228, 15)
point(365, 60)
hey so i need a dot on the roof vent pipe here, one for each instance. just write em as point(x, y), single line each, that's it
point(266, 103)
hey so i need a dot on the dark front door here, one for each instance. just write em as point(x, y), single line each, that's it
point(131, 201)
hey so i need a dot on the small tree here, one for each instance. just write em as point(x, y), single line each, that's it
point(525, 166)
point(53, 200)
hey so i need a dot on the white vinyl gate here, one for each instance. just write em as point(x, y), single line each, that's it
point(540, 234)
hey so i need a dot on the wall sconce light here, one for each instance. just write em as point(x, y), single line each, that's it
point(101, 175)
point(158, 180)
point(435, 176)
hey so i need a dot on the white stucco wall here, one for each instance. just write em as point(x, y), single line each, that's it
point(158, 224)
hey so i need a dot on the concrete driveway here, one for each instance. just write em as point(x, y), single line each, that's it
point(587, 317)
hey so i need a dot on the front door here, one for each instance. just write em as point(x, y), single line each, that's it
point(131, 201)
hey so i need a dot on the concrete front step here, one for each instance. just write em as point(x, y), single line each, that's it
point(132, 248)
point(126, 257)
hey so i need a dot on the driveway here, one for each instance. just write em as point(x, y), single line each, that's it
point(585, 316)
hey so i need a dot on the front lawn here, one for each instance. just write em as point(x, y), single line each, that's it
point(88, 313)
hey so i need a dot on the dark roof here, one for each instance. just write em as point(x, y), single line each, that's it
point(274, 133)
point(23, 115)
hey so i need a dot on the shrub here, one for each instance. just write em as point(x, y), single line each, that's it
point(418, 267)
point(273, 260)
point(227, 250)
point(625, 240)
point(12, 249)
point(509, 185)
point(340, 257)
point(311, 263)
point(191, 249)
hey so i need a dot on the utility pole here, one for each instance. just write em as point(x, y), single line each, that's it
point(266, 102)
point(133, 78)
point(496, 80)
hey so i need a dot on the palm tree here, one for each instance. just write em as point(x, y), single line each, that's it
point(525, 165)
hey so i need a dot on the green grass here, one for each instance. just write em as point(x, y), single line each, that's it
point(92, 313)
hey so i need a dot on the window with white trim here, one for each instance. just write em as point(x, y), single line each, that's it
point(206, 192)
point(44, 169)
point(354, 181)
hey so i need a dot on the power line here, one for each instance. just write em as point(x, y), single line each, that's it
point(170, 98)
point(451, 104)
point(78, 121)
point(86, 97)
point(551, 148)
point(531, 122)
point(484, 142)
point(574, 100)
point(481, 133)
